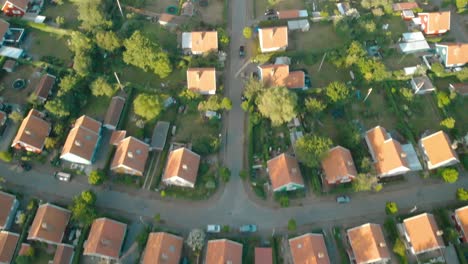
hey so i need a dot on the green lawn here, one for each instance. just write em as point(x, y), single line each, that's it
point(319, 37)
point(424, 115)
point(58, 44)
point(192, 125)
point(327, 74)
point(398, 61)
point(97, 106)
point(262, 5)
point(67, 10)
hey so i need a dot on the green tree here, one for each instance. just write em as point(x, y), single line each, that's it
point(292, 226)
point(364, 182)
point(51, 143)
point(448, 122)
point(101, 87)
point(407, 93)
point(206, 144)
point(79, 42)
point(224, 174)
point(391, 208)
point(148, 106)
point(196, 241)
point(92, 14)
point(450, 175)
point(399, 248)
point(337, 92)
point(461, 5)
point(215, 103)
point(83, 63)
point(443, 99)
point(247, 32)
point(6, 156)
point(223, 37)
point(57, 107)
point(243, 174)
point(68, 84)
point(96, 177)
point(108, 41)
point(278, 104)
point(60, 20)
point(147, 55)
point(16, 116)
point(311, 149)
point(83, 208)
point(284, 201)
point(253, 88)
point(462, 194)
point(354, 54)
point(187, 96)
point(314, 106)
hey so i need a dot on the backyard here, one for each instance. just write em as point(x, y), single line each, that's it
point(261, 5)
point(12, 95)
point(321, 36)
point(36, 41)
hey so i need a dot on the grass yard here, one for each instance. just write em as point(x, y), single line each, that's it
point(328, 73)
point(97, 106)
point(163, 37)
point(192, 125)
point(262, 5)
point(159, 6)
point(319, 37)
point(67, 10)
point(424, 115)
point(397, 26)
point(12, 95)
point(213, 14)
point(37, 40)
point(398, 61)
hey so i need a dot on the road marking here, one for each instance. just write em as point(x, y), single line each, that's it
point(242, 68)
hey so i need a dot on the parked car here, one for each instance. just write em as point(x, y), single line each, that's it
point(25, 166)
point(248, 229)
point(343, 199)
point(213, 228)
point(242, 51)
point(62, 176)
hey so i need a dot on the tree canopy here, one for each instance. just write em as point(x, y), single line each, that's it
point(449, 175)
point(101, 87)
point(215, 103)
point(96, 177)
point(147, 55)
point(196, 240)
point(83, 208)
point(314, 106)
point(462, 194)
point(148, 106)
point(448, 123)
point(278, 104)
point(108, 40)
point(337, 92)
point(57, 107)
point(91, 13)
point(311, 149)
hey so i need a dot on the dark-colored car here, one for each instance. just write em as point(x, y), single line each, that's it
point(242, 51)
point(25, 166)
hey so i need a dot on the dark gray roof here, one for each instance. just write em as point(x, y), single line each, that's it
point(158, 141)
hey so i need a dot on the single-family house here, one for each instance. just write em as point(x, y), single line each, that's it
point(461, 219)
point(32, 132)
point(105, 239)
point(82, 141)
point(387, 154)
point(292, 14)
point(459, 88)
point(200, 42)
point(421, 234)
point(406, 9)
point(221, 251)
point(279, 75)
point(438, 150)
point(114, 112)
point(309, 248)
point(130, 157)
point(368, 244)
point(162, 247)
point(49, 224)
point(284, 173)
point(273, 39)
point(8, 206)
point(44, 87)
point(263, 255)
point(63, 254)
point(338, 166)
point(201, 80)
point(435, 23)
point(9, 65)
point(15, 7)
point(8, 241)
point(422, 85)
point(181, 168)
point(452, 54)
point(167, 20)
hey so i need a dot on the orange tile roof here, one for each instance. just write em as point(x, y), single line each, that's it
point(130, 156)
point(368, 243)
point(162, 248)
point(204, 41)
point(263, 255)
point(182, 163)
point(309, 248)
point(288, 14)
point(338, 165)
point(222, 251)
point(457, 53)
point(6, 203)
point(114, 111)
point(4, 26)
point(422, 232)
point(436, 21)
point(461, 88)
point(387, 152)
point(201, 80)
point(24, 249)
point(63, 254)
point(32, 131)
point(21, 4)
point(117, 136)
point(438, 149)
point(405, 6)
point(279, 75)
point(44, 86)
point(83, 138)
point(49, 224)
point(8, 243)
point(462, 218)
point(273, 37)
point(284, 169)
point(105, 238)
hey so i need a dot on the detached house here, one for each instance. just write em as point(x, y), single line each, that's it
point(182, 168)
point(105, 239)
point(202, 80)
point(8, 206)
point(273, 39)
point(387, 154)
point(8, 241)
point(452, 54)
point(338, 166)
point(114, 112)
point(459, 88)
point(263, 255)
point(162, 247)
point(461, 219)
point(82, 141)
point(15, 7)
point(63, 254)
point(309, 248)
point(44, 87)
point(130, 157)
point(438, 150)
point(279, 75)
point(221, 251)
point(368, 244)
point(285, 174)
point(435, 23)
point(49, 224)
point(422, 234)
point(32, 132)
point(200, 42)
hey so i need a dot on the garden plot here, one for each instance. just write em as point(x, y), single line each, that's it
point(35, 42)
point(319, 37)
point(262, 5)
point(159, 6)
point(213, 14)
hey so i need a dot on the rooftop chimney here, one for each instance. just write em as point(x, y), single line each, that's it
point(130, 154)
point(299, 245)
point(294, 170)
point(320, 255)
point(382, 244)
point(403, 154)
point(349, 163)
point(439, 232)
point(198, 75)
point(184, 167)
point(44, 225)
point(28, 132)
point(454, 145)
point(77, 143)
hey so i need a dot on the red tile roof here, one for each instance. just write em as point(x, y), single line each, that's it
point(4, 26)
point(201, 80)
point(117, 136)
point(461, 215)
point(457, 53)
point(279, 75)
point(21, 4)
point(435, 21)
point(32, 132)
point(438, 150)
point(49, 224)
point(6, 203)
point(273, 37)
point(310, 249)
point(105, 238)
point(130, 157)
point(405, 6)
point(83, 138)
point(423, 233)
point(44, 86)
point(63, 254)
point(368, 243)
point(263, 255)
point(284, 169)
point(222, 251)
point(338, 165)
point(182, 163)
point(8, 243)
point(162, 248)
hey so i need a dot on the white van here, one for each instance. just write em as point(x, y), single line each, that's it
point(62, 176)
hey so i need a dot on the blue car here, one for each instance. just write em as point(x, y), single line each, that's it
point(248, 229)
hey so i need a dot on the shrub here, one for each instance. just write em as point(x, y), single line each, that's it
point(399, 248)
point(284, 201)
point(391, 208)
point(224, 174)
point(449, 175)
point(448, 122)
point(96, 177)
point(462, 194)
point(292, 226)
point(6, 156)
point(243, 174)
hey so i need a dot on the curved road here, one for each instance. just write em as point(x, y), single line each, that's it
point(233, 207)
